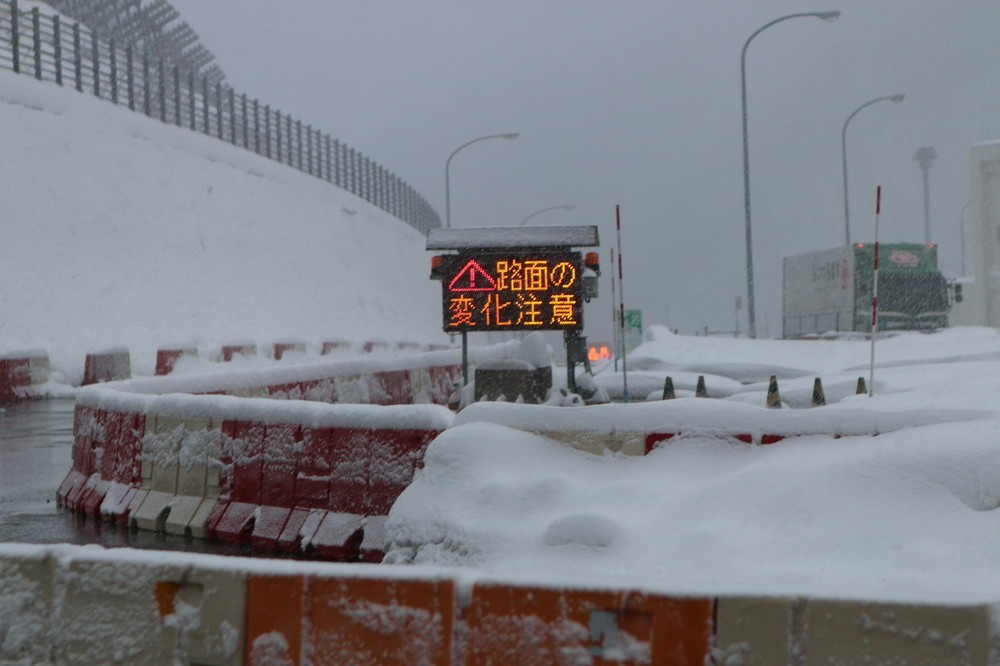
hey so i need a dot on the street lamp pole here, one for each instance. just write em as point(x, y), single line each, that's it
point(961, 229)
point(843, 152)
point(447, 169)
point(544, 210)
point(826, 16)
point(924, 156)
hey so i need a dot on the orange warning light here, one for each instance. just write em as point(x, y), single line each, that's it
point(598, 353)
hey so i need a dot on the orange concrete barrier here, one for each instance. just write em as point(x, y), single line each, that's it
point(349, 620)
point(531, 625)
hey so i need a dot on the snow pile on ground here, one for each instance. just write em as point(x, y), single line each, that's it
point(910, 513)
point(119, 230)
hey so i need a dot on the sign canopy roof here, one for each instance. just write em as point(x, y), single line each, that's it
point(551, 237)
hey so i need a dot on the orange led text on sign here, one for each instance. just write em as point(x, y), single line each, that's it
point(526, 292)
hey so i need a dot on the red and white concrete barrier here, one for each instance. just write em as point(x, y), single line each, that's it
point(21, 375)
point(107, 366)
point(167, 357)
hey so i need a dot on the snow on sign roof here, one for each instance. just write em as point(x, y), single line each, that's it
point(513, 237)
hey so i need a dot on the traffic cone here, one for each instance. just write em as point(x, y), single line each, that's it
point(699, 391)
point(818, 398)
point(773, 397)
point(668, 388)
point(862, 389)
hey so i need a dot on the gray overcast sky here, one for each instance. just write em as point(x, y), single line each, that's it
point(637, 103)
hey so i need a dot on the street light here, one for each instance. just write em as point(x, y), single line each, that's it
point(539, 212)
point(924, 156)
point(843, 150)
point(447, 166)
point(961, 229)
point(826, 16)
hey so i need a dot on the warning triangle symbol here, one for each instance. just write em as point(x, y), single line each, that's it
point(472, 277)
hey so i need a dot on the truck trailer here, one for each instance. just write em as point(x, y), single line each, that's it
point(831, 290)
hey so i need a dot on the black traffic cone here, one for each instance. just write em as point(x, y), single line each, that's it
point(862, 389)
point(668, 388)
point(699, 391)
point(773, 397)
point(818, 398)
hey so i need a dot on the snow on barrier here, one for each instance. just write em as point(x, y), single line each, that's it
point(81, 605)
point(106, 366)
point(21, 373)
point(643, 427)
point(299, 476)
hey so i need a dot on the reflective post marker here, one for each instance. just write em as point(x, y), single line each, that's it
point(871, 369)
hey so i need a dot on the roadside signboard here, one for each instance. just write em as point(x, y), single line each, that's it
point(512, 290)
point(633, 329)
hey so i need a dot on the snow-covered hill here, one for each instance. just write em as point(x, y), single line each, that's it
point(118, 230)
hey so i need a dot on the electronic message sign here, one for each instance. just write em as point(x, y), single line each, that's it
point(516, 290)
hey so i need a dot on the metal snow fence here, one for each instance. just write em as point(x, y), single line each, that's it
point(51, 48)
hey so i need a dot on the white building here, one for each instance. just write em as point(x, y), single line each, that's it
point(982, 298)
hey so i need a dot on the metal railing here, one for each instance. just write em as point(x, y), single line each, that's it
point(70, 54)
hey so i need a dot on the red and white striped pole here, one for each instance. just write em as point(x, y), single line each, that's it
point(621, 301)
point(614, 312)
point(871, 369)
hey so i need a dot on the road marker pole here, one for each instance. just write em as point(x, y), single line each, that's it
point(621, 300)
point(614, 313)
point(871, 369)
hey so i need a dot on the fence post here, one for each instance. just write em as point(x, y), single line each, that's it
point(218, 108)
point(398, 196)
point(382, 192)
point(192, 109)
point(232, 117)
point(146, 106)
point(350, 171)
point(329, 159)
point(298, 140)
point(267, 130)
point(256, 125)
point(15, 37)
point(336, 164)
point(319, 154)
point(95, 59)
point(243, 101)
point(77, 58)
point(161, 87)
point(36, 39)
point(277, 125)
point(130, 77)
point(288, 134)
point(57, 42)
point(204, 103)
point(309, 149)
point(369, 180)
point(177, 95)
point(114, 72)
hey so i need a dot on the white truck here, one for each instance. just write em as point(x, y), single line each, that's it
point(831, 290)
